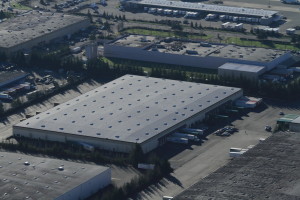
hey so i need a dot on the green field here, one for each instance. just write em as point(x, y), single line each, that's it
point(19, 6)
point(238, 41)
point(166, 33)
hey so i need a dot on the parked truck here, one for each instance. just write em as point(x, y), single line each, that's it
point(5, 96)
point(178, 140)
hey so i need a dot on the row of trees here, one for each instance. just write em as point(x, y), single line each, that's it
point(281, 90)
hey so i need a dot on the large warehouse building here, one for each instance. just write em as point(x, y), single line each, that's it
point(35, 27)
point(27, 177)
point(195, 53)
point(129, 110)
point(265, 16)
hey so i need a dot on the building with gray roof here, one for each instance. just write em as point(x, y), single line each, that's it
point(235, 70)
point(28, 177)
point(27, 30)
point(191, 53)
point(270, 170)
point(9, 77)
point(129, 110)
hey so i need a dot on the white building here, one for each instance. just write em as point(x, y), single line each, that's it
point(128, 110)
point(91, 51)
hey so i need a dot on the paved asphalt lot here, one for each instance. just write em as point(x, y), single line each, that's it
point(196, 162)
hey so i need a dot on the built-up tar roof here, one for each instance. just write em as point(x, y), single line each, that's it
point(242, 67)
point(33, 24)
point(40, 177)
point(270, 170)
point(194, 48)
point(135, 40)
point(130, 108)
point(207, 7)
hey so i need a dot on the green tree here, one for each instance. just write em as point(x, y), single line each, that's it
point(137, 155)
point(1, 109)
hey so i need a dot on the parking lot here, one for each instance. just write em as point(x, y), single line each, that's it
point(195, 162)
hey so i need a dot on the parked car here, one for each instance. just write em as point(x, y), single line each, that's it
point(268, 128)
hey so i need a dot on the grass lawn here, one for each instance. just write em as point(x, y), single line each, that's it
point(238, 41)
point(166, 33)
point(19, 6)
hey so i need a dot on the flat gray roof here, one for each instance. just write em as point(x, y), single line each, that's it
point(8, 77)
point(130, 108)
point(41, 179)
point(242, 67)
point(135, 40)
point(270, 170)
point(296, 121)
point(207, 7)
point(182, 47)
point(33, 24)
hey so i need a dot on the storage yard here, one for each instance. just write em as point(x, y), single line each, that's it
point(28, 177)
point(268, 171)
point(264, 17)
point(129, 110)
point(35, 27)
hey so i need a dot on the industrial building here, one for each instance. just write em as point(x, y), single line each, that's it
point(290, 121)
point(9, 77)
point(265, 17)
point(270, 170)
point(128, 111)
point(235, 70)
point(28, 177)
point(35, 27)
point(91, 51)
point(196, 54)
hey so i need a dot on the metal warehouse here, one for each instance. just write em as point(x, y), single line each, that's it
point(207, 8)
point(27, 177)
point(250, 72)
point(292, 122)
point(9, 77)
point(191, 53)
point(27, 30)
point(129, 110)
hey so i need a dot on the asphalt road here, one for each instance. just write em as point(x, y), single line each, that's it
point(196, 162)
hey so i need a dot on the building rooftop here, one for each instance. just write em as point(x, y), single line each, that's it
point(242, 67)
point(194, 48)
point(136, 40)
point(207, 7)
point(7, 77)
point(130, 108)
point(40, 178)
point(270, 170)
point(288, 118)
point(33, 24)
point(297, 120)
